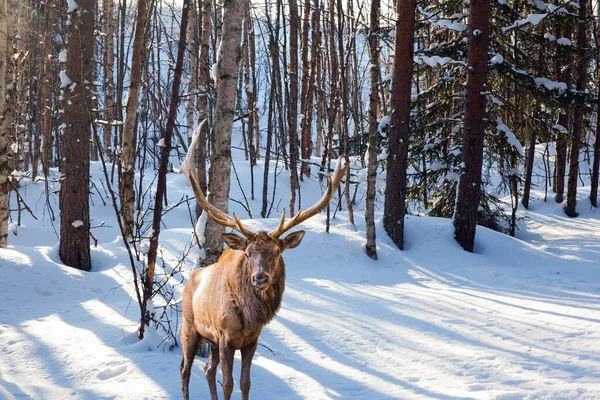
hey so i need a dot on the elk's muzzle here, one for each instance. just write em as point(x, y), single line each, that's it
point(260, 280)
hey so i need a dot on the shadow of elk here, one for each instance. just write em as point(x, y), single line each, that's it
point(227, 304)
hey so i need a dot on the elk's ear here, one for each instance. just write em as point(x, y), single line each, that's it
point(292, 240)
point(235, 242)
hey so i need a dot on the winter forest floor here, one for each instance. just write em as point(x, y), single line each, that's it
point(519, 319)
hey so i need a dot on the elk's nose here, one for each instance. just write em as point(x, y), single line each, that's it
point(260, 279)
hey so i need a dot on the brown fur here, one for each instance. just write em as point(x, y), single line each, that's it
point(222, 305)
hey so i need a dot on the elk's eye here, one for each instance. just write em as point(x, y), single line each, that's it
point(246, 255)
point(277, 252)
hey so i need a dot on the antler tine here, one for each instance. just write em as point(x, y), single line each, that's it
point(217, 215)
point(303, 215)
point(242, 229)
point(278, 231)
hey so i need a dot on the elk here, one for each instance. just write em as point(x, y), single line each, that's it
point(228, 303)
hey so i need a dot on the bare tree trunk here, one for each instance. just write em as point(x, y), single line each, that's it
point(249, 82)
point(203, 83)
point(4, 133)
point(321, 115)
point(109, 87)
point(128, 146)
point(344, 102)
point(596, 160)
point(395, 188)
point(161, 186)
point(293, 103)
point(371, 246)
point(529, 168)
point(560, 166)
point(467, 201)
point(308, 82)
point(578, 124)
point(46, 81)
point(193, 45)
point(74, 192)
point(220, 167)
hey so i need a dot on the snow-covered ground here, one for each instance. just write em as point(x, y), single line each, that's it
point(518, 319)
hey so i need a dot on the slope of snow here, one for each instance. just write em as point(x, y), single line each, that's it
point(518, 319)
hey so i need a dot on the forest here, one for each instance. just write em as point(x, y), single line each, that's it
point(442, 158)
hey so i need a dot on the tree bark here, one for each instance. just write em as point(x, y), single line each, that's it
point(129, 142)
point(529, 169)
point(203, 106)
point(308, 83)
point(596, 164)
point(467, 202)
point(293, 104)
point(4, 133)
point(578, 124)
point(345, 105)
point(46, 80)
point(560, 166)
point(371, 247)
point(220, 167)
point(109, 87)
point(74, 192)
point(395, 188)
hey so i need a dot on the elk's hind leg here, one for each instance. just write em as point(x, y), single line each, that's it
point(210, 369)
point(189, 343)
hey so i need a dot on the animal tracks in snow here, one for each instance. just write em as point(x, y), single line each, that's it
point(43, 291)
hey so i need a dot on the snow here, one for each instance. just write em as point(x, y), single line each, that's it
point(72, 6)
point(497, 59)
point(384, 123)
point(511, 137)
point(62, 56)
point(550, 84)
point(432, 61)
point(77, 223)
point(532, 19)
point(64, 79)
point(563, 42)
point(519, 318)
point(449, 24)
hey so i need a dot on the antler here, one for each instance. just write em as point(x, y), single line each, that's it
point(332, 184)
point(217, 215)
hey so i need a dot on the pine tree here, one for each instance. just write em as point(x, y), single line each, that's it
point(74, 192)
point(395, 187)
point(467, 201)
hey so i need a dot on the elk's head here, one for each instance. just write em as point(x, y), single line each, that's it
point(263, 254)
point(262, 249)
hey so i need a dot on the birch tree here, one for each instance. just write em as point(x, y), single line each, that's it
point(128, 144)
point(228, 60)
point(371, 246)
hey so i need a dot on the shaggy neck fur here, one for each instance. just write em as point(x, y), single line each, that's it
point(256, 307)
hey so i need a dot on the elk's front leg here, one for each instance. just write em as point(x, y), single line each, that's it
point(226, 354)
point(189, 343)
point(247, 355)
point(210, 370)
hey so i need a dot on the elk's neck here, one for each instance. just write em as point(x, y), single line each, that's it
point(258, 307)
